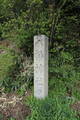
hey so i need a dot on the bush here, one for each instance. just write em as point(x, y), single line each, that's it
point(21, 29)
point(64, 78)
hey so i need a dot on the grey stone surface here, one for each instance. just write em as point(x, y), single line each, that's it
point(40, 66)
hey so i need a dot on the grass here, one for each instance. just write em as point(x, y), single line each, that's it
point(7, 61)
point(57, 106)
point(52, 108)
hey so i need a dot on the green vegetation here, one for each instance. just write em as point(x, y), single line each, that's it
point(20, 20)
point(52, 108)
point(7, 64)
point(63, 91)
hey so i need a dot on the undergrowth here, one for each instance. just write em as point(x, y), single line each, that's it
point(63, 91)
point(7, 65)
point(52, 108)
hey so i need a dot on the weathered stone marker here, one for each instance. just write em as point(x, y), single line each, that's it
point(40, 66)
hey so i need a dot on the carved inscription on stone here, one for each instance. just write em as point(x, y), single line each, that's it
point(40, 66)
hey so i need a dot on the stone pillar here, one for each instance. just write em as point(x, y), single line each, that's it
point(40, 66)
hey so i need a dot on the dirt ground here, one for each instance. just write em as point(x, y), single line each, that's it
point(11, 105)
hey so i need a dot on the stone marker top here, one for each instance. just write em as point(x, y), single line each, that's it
point(37, 36)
